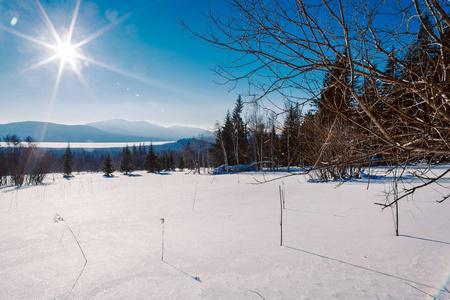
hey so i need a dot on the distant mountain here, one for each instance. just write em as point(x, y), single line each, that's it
point(188, 132)
point(51, 132)
point(146, 129)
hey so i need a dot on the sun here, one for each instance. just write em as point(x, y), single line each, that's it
point(66, 52)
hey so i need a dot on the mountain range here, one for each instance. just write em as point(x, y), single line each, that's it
point(104, 131)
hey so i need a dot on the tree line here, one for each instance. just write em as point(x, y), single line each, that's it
point(139, 158)
point(22, 162)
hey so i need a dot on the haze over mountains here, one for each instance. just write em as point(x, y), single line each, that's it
point(104, 131)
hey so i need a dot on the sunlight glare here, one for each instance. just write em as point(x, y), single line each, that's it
point(69, 53)
point(66, 52)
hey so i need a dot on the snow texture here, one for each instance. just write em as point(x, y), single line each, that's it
point(221, 239)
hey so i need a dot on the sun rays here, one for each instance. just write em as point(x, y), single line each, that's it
point(67, 55)
point(63, 50)
point(66, 52)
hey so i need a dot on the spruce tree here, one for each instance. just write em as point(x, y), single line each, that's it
point(171, 162)
point(181, 163)
point(161, 161)
point(165, 162)
point(108, 166)
point(190, 154)
point(335, 100)
point(422, 71)
point(126, 162)
point(67, 161)
point(227, 139)
point(240, 135)
point(151, 160)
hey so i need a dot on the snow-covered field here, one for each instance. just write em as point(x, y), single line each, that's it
point(221, 239)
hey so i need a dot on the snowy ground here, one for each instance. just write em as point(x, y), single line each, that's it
point(226, 245)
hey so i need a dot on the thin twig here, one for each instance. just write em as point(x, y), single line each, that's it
point(420, 290)
point(255, 293)
point(411, 191)
point(281, 216)
point(195, 194)
point(58, 219)
point(162, 240)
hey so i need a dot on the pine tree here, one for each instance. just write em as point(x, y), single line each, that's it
point(151, 160)
point(67, 161)
point(171, 162)
point(227, 139)
point(190, 155)
point(308, 139)
point(162, 161)
point(181, 163)
point(222, 150)
point(108, 166)
point(240, 135)
point(335, 100)
point(126, 162)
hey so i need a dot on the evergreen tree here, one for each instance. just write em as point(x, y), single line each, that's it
point(67, 161)
point(190, 155)
point(227, 139)
point(240, 134)
point(335, 100)
point(162, 160)
point(171, 162)
point(181, 163)
point(309, 147)
point(108, 166)
point(222, 150)
point(422, 70)
point(151, 160)
point(126, 162)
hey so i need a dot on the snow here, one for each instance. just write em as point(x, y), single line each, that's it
point(96, 145)
point(221, 239)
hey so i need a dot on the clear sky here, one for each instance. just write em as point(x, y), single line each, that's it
point(125, 60)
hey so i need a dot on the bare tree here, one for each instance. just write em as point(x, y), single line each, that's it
point(287, 48)
point(256, 128)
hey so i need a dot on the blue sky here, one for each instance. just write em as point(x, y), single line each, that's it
point(137, 63)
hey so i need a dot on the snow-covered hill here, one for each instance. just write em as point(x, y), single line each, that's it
point(221, 239)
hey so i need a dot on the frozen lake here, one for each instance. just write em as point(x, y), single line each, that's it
point(58, 145)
